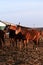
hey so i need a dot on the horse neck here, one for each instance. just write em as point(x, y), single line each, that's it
point(17, 31)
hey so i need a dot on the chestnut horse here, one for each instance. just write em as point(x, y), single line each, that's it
point(11, 30)
point(31, 34)
point(12, 36)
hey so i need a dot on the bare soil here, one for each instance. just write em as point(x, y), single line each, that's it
point(20, 55)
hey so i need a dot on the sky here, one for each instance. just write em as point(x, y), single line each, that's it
point(28, 12)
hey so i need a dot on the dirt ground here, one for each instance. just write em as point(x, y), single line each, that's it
point(20, 55)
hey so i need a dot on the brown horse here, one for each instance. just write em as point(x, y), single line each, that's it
point(11, 30)
point(30, 34)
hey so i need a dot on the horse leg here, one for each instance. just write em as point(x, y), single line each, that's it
point(3, 41)
point(10, 41)
point(25, 43)
point(35, 43)
point(16, 43)
point(0, 43)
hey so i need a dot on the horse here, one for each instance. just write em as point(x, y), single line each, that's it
point(12, 36)
point(11, 30)
point(30, 34)
point(2, 40)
